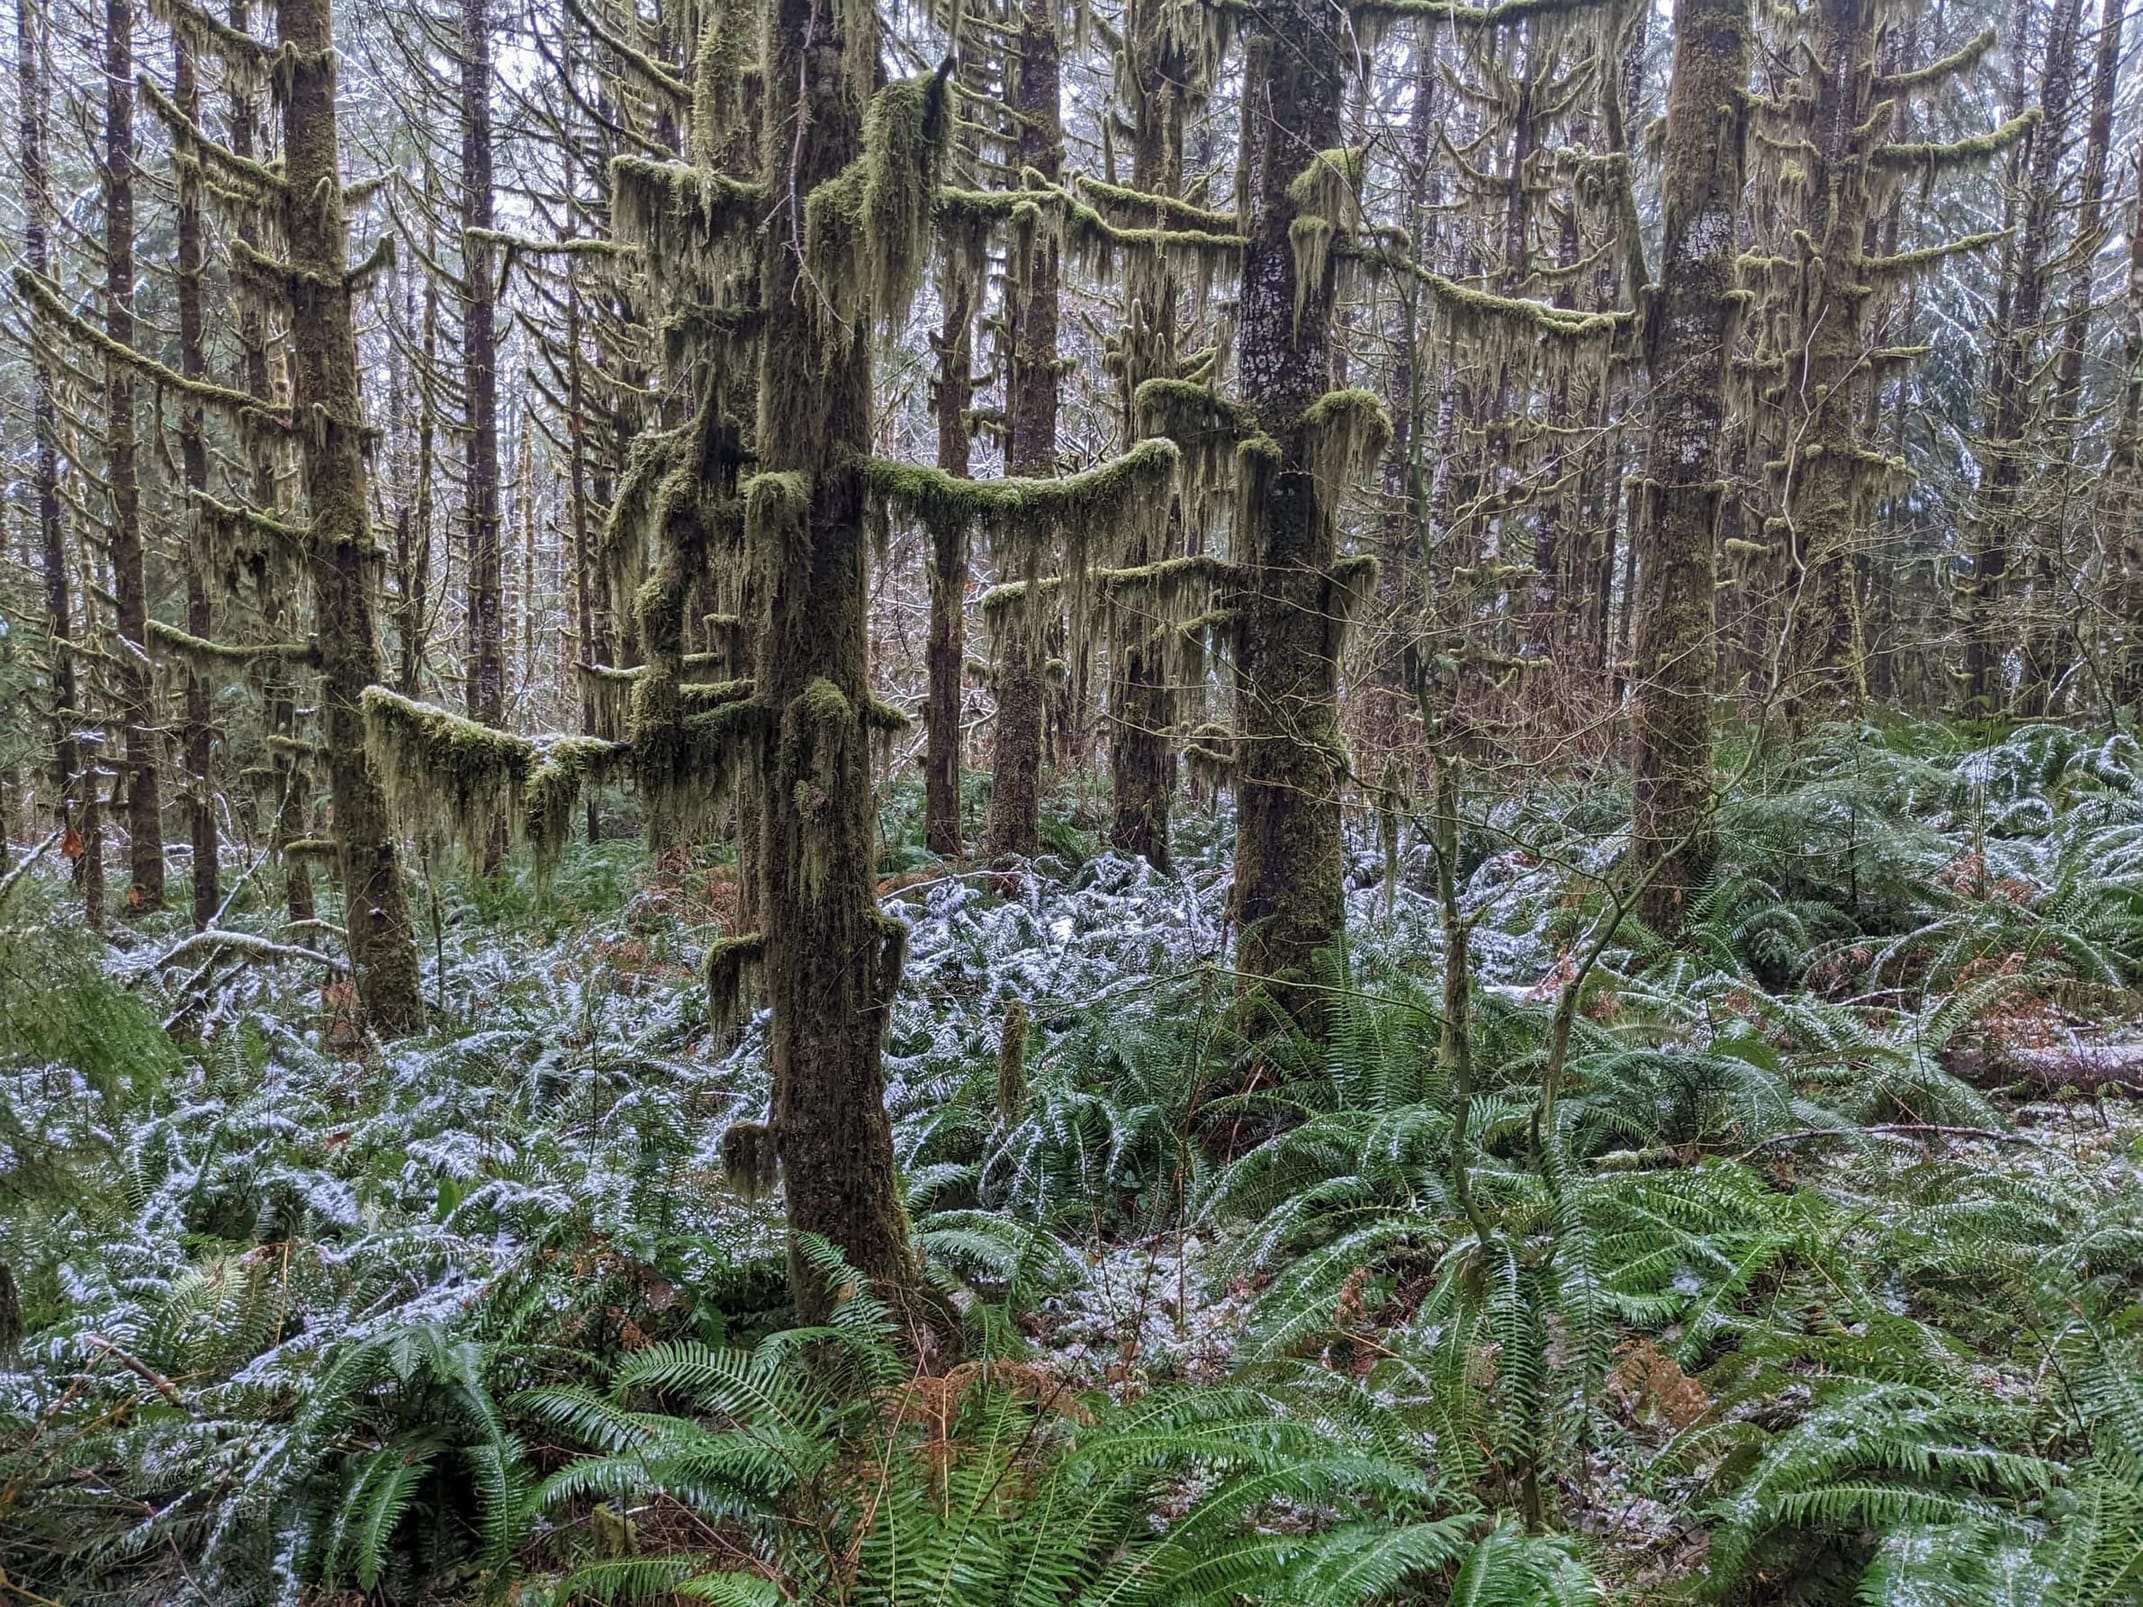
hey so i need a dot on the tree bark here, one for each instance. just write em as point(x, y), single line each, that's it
point(294, 808)
point(193, 465)
point(130, 585)
point(1687, 328)
point(486, 690)
point(2013, 384)
point(1030, 438)
point(1142, 703)
point(1289, 858)
point(945, 650)
point(1823, 673)
point(831, 961)
point(341, 555)
point(30, 65)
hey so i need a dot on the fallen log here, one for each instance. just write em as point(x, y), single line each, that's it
point(2078, 1066)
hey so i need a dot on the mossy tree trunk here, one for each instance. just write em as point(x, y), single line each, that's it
point(130, 585)
point(341, 554)
point(2120, 509)
point(278, 690)
point(2056, 645)
point(1688, 326)
point(945, 650)
point(1823, 499)
point(1289, 859)
point(193, 465)
point(2013, 383)
point(486, 654)
point(831, 961)
point(30, 64)
point(1142, 703)
point(1034, 90)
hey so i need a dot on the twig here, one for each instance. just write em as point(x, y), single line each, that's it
point(22, 869)
point(140, 1369)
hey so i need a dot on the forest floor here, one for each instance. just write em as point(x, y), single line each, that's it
point(1787, 1310)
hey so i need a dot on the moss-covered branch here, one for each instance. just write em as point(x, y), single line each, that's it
point(255, 181)
point(726, 972)
point(201, 652)
point(45, 302)
point(653, 71)
point(1016, 507)
point(1165, 211)
point(470, 780)
point(1930, 159)
point(1888, 85)
point(867, 230)
point(1503, 15)
point(1879, 271)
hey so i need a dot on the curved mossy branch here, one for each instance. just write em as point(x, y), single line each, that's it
point(207, 655)
point(44, 300)
point(1345, 434)
point(225, 515)
point(1963, 59)
point(241, 176)
point(1472, 310)
point(1194, 238)
point(654, 72)
point(727, 974)
point(1879, 271)
point(1034, 509)
point(446, 773)
point(1930, 159)
point(1506, 14)
point(1165, 212)
point(247, 62)
point(692, 225)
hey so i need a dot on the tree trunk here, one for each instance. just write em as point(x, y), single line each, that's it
point(193, 464)
point(1823, 508)
point(30, 64)
point(945, 650)
point(1289, 858)
point(2054, 645)
point(294, 807)
point(1142, 704)
point(1030, 438)
point(2121, 505)
point(831, 961)
point(1687, 328)
point(130, 584)
point(2013, 383)
point(485, 693)
point(341, 552)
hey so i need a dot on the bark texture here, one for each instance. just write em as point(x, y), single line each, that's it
point(486, 668)
point(1688, 329)
point(193, 466)
point(130, 585)
point(1030, 435)
point(341, 554)
point(1289, 858)
point(831, 961)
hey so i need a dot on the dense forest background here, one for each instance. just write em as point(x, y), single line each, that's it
point(1185, 801)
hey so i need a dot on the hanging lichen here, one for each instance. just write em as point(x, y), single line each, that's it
point(867, 231)
point(465, 782)
point(727, 974)
point(751, 1159)
point(1344, 436)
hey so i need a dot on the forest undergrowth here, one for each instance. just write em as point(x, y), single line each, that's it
point(1807, 1271)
